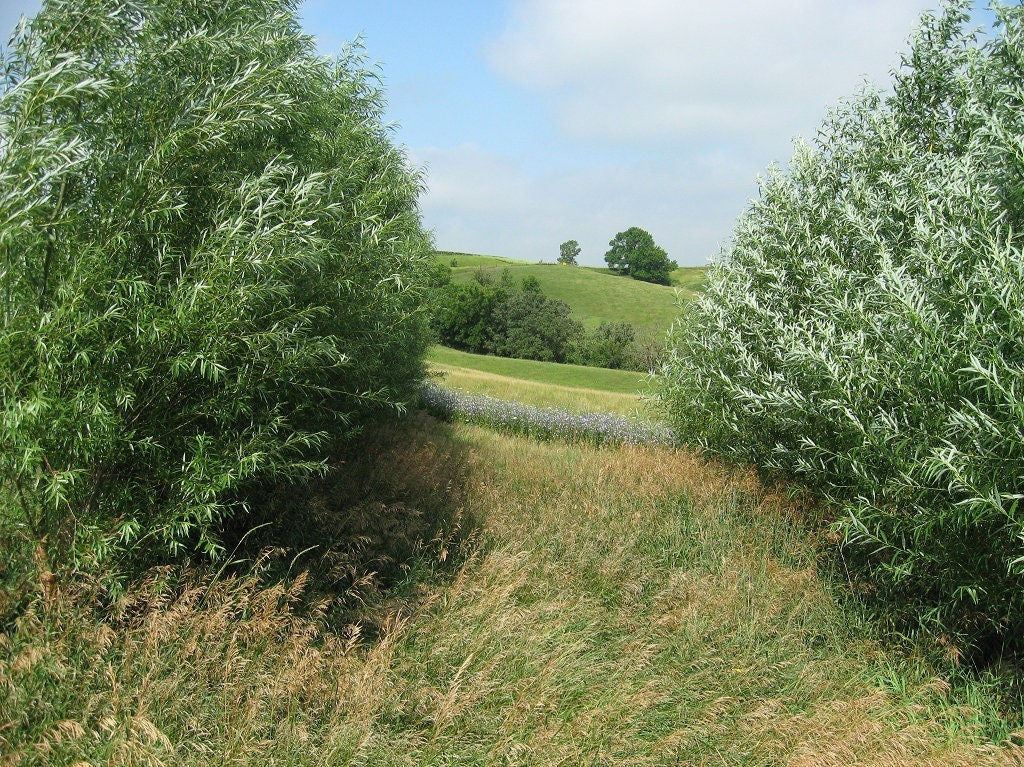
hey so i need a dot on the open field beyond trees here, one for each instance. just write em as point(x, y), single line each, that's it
point(621, 382)
point(572, 398)
point(595, 295)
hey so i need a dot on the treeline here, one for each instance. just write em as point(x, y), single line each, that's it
point(495, 314)
point(865, 334)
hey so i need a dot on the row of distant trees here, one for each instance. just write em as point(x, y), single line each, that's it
point(632, 253)
point(496, 314)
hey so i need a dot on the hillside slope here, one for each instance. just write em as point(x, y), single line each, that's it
point(595, 295)
point(544, 384)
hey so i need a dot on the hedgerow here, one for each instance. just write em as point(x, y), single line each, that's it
point(865, 332)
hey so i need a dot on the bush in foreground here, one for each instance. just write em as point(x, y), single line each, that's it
point(209, 253)
point(865, 335)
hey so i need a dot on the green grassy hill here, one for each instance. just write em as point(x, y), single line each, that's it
point(595, 295)
point(578, 376)
point(476, 260)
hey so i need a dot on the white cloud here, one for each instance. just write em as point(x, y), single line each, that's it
point(698, 97)
point(666, 71)
point(670, 109)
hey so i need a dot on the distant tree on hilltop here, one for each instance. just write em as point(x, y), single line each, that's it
point(634, 253)
point(568, 251)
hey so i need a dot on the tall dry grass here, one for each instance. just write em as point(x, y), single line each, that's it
point(630, 606)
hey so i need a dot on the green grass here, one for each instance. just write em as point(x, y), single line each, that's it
point(574, 399)
point(475, 260)
point(595, 295)
point(689, 278)
point(612, 606)
point(552, 373)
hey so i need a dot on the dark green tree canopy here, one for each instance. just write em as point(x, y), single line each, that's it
point(497, 316)
point(568, 252)
point(634, 253)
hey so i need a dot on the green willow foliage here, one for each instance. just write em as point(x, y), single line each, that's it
point(210, 258)
point(865, 331)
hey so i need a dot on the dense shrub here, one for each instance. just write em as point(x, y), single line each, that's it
point(530, 325)
point(209, 253)
point(531, 284)
point(495, 315)
point(488, 316)
point(609, 345)
point(865, 332)
point(461, 315)
point(618, 346)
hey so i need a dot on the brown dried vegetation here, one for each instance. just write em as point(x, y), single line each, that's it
point(607, 606)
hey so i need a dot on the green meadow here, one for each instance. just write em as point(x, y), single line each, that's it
point(564, 605)
point(595, 295)
point(571, 376)
point(543, 384)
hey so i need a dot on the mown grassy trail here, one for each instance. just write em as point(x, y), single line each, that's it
point(636, 606)
point(627, 606)
point(572, 387)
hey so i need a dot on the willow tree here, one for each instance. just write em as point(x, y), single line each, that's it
point(864, 332)
point(209, 260)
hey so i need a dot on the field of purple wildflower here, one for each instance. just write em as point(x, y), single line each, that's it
point(543, 423)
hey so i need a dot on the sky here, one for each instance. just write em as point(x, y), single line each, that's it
point(539, 121)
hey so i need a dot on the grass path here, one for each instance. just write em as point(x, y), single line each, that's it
point(575, 399)
point(573, 376)
point(628, 606)
point(638, 607)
